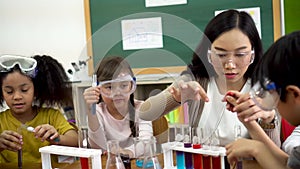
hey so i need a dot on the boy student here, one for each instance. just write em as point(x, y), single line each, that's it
point(277, 85)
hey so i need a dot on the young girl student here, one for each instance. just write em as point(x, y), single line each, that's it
point(116, 116)
point(27, 84)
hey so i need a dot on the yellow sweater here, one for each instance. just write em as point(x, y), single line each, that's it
point(31, 144)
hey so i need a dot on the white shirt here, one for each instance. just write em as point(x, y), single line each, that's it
point(113, 129)
point(215, 114)
point(292, 141)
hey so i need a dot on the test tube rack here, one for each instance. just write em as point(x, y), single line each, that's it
point(94, 154)
point(169, 147)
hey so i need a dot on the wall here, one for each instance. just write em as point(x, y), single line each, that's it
point(52, 27)
point(291, 15)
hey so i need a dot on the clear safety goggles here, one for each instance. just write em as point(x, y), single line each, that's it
point(26, 64)
point(124, 85)
point(266, 96)
point(219, 58)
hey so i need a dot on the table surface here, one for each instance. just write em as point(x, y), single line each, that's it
point(75, 165)
point(249, 164)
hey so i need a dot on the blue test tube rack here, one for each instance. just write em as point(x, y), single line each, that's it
point(169, 147)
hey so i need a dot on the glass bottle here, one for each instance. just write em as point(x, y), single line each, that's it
point(126, 161)
point(150, 160)
point(113, 156)
point(140, 146)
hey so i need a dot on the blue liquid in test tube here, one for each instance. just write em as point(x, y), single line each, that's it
point(180, 159)
point(94, 84)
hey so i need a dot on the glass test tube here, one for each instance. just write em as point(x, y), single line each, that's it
point(215, 143)
point(94, 84)
point(179, 154)
point(206, 159)
point(20, 152)
point(238, 134)
point(197, 145)
point(83, 143)
point(188, 157)
point(216, 162)
point(207, 162)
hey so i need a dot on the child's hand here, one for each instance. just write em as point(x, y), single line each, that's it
point(245, 107)
point(47, 132)
point(10, 140)
point(242, 148)
point(91, 95)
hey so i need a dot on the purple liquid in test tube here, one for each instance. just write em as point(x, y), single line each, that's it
point(188, 157)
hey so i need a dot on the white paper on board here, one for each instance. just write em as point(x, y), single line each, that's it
point(254, 13)
point(154, 3)
point(142, 33)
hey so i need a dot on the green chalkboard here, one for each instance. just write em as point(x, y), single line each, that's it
point(291, 15)
point(182, 27)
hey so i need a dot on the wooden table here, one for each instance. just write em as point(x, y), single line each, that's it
point(249, 164)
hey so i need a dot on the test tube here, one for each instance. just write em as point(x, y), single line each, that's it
point(215, 143)
point(197, 145)
point(238, 134)
point(207, 162)
point(94, 84)
point(31, 129)
point(216, 162)
point(188, 157)
point(206, 159)
point(179, 154)
point(83, 143)
point(20, 159)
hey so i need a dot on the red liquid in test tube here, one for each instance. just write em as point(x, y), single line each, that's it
point(197, 157)
point(216, 162)
point(84, 162)
point(207, 162)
